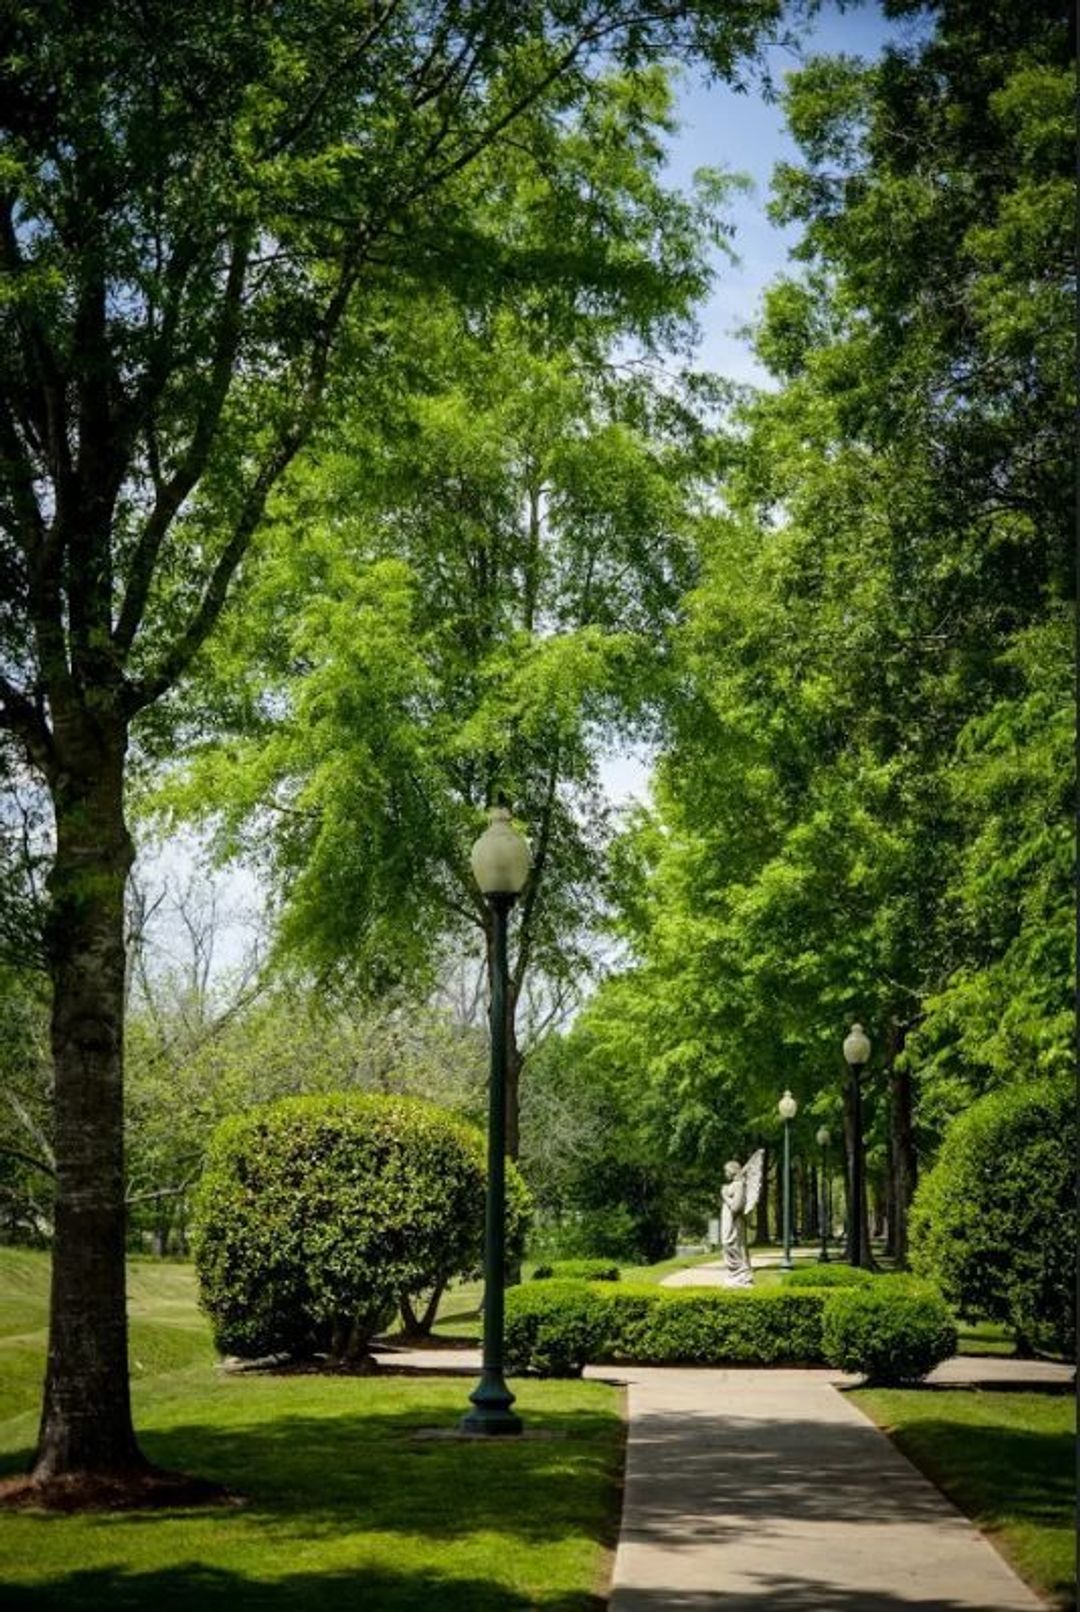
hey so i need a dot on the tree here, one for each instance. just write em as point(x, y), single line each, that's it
point(864, 804)
point(193, 199)
point(515, 534)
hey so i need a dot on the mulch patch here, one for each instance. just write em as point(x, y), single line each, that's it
point(150, 1490)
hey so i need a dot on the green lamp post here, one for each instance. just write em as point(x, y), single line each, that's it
point(788, 1109)
point(823, 1140)
point(856, 1056)
point(500, 862)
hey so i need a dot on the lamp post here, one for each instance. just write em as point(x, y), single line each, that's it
point(823, 1140)
point(500, 862)
point(788, 1109)
point(856, 1053)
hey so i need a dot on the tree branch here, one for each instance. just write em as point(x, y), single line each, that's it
point(172, 495)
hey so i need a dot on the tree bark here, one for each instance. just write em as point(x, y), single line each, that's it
point(761, 1234)
point(86, 1426)
point(850, 1208)
point(903, 1157)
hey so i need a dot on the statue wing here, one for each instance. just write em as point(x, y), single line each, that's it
point(753, 1171)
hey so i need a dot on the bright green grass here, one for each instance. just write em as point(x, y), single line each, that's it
point(344, 1507)
point(1005, 1458)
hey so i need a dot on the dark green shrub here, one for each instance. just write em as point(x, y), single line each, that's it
point(893, 1331)
point(994, 1221)
point(315, 1215)
point(553, 1328)
point(828, 1276)
point(577, 1270)
point(712, 1326)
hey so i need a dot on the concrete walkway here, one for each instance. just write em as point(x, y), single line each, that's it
point(750, 1489)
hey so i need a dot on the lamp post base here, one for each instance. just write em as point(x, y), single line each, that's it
point(492, 1414)
point(787, 1263)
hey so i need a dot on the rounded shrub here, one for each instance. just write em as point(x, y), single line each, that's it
point(553, 1328)
point(577, 1270)
point(993, 1222)
point(893, 1331)
point(316, 1215)
point(828, 1276)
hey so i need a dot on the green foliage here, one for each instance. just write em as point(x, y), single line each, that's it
point(819, 1276)
point(577, 1270)
point(891, 1331)
point(707, 1327)
point(554, 1328)
point(572, 1324)
point(864, 808)
point(315, 1215)
point(995, 1220)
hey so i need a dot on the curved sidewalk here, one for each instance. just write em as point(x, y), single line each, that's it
point(750, 1489)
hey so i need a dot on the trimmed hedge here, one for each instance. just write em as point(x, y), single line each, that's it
point(575, 1323)
point(994, 1222)
point(316, 1214)
point(577, 1270)
point(892, 1332)
point(554, 1328)
point(828, 1276)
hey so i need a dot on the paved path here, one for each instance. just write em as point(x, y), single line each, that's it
point(711, 1272)
point(748, 1490)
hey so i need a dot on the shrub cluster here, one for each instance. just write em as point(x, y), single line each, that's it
point(994, 1222)
point(894, 1331)
point(828, 1276)
point(890, 1329)
point(315, 1215)
point(554, 1328)
point(577, 1270)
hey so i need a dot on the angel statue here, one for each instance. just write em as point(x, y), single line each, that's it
point(740, 1194)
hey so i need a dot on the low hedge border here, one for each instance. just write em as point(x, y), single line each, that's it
point(894, 1330)
point(577, 1270)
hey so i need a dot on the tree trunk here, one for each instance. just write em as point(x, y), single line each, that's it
point(761, 1232)
point(86, 1427)
point(904, 1159)
point(850, 1208)
point(419, 1326)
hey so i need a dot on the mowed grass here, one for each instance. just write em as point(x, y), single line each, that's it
point(341, 1504)
point(1006, 1459)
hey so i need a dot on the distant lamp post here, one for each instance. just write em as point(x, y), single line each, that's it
point(856, 1054)
point(823, 1140)
point(500, 862)
point(788, 1109)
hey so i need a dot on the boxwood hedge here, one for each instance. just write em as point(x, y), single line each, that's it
point(897, 1331)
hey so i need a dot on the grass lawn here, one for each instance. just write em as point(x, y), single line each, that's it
point(343, 1506)
point(1007, 1459)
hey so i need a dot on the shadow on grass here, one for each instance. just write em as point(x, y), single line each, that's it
point(191, 1587)
point(317, 1476)
point(997, 1473)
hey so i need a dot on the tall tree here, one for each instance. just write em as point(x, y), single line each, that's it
point(878, 624)
point(192, 199)
point(515, 534)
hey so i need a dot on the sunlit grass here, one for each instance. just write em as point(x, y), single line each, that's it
point(342, 1503)
point(1006, 1458)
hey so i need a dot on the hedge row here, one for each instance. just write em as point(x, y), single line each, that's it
point(893, 1331)
point(577, 1270)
